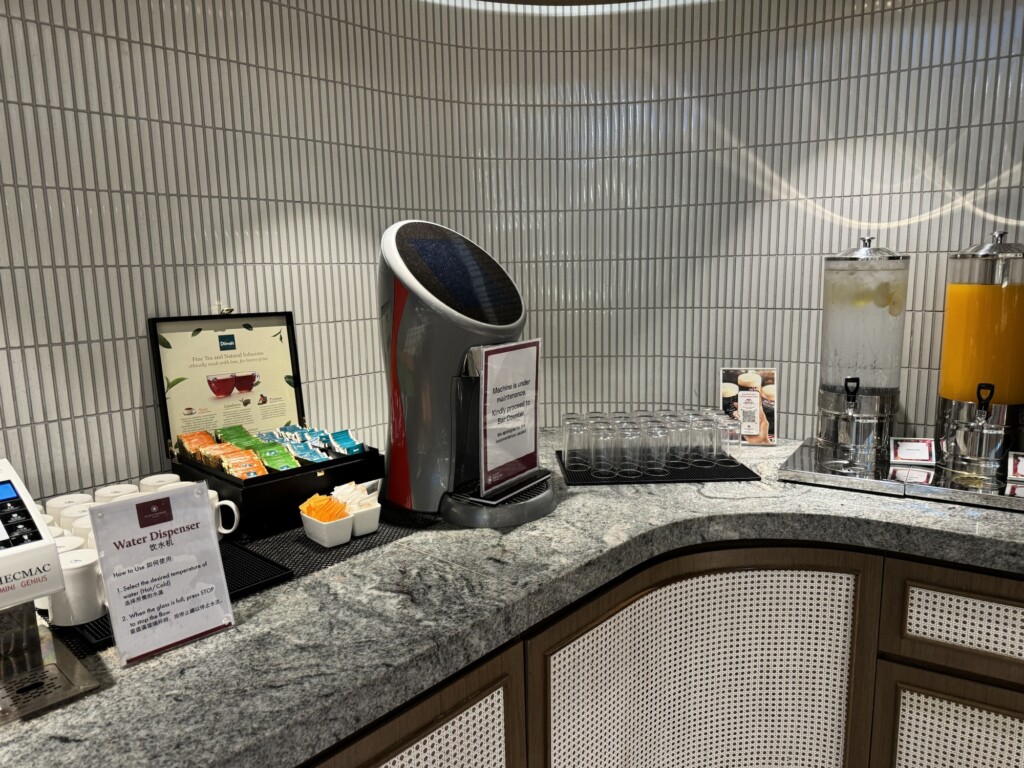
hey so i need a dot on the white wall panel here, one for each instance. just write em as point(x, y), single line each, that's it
point(662, 179)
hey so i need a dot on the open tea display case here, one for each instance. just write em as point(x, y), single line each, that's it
point(220, 371)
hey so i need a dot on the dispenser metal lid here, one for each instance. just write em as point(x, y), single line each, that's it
point(865, 252)
point(997, 248)
point(452, 275)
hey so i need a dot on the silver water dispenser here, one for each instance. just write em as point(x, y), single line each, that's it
point(440, 295)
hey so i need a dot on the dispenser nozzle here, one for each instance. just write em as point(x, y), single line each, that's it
point(852, 386)
point(985, 394)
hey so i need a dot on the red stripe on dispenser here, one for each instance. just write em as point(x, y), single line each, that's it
point(399, 490)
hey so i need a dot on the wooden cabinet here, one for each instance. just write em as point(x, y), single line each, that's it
point(963, 621)
point(768, 657)
point(970, 626)
point(759, 657)
point(925, 719)
point(477, 721)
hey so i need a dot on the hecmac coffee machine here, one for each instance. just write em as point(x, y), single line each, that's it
point(36, 669)
point(440, 296)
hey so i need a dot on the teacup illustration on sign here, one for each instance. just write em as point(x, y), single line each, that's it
point(221, 384)
point(244, 382)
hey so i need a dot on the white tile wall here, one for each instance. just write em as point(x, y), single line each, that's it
point(661, 179)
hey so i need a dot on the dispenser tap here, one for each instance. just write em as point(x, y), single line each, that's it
point(852, 386)
point(985, 394)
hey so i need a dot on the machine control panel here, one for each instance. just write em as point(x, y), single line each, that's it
point(29, 563)
point(17, 525)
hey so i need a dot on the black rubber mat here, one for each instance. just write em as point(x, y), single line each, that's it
point(304, 556)
point(246, 573)
point(716, 474)
point(252, 566)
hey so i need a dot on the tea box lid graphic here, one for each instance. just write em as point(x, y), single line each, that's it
point(215, 371)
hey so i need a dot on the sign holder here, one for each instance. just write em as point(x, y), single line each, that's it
point(508, 413)
point(162, 570)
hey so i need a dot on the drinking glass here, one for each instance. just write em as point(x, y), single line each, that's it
point(728, 439)
point(656, 450)
point(704, 439)
point(576, 446)
point(678, 444)
point(631, 455)
point(604, 451)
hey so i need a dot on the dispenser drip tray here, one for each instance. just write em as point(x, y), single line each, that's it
point(816, 465)
point(528, 500)
point(36, 670)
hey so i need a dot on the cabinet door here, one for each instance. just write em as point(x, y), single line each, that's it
point(929, 720)
point(953, 618)
point(753, 657)
point(477, 721)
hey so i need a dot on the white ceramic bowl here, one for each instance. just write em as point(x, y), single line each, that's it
point(328, 534)
point(366, 521)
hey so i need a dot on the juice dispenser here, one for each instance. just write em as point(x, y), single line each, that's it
point(981, 378)
point(863, 311)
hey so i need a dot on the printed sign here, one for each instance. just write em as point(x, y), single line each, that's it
point(162, 570)
point(509, 376)
point(911, 475)
point(228, 370)
point(1015, 466)
point(750, 395)
point(912, 450)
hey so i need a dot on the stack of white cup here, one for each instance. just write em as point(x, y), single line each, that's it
point(68, 518)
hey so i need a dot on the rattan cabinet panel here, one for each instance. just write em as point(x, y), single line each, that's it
point(741, 658)
point(473, 739)
point(475, 721)
point(956, 619)
point(929, 720)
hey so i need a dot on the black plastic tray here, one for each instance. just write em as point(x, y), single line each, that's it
point(254, 565)
point(304, 556)
point(246, 573)
point(715, 474)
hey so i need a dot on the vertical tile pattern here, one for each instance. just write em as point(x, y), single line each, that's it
point(661, 179)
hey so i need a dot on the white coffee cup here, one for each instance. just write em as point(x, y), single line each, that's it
point(68, 543)
point(69, 515)
point(155, 482)
point(217, 516)
point(111, 492)
point(82, 600)
point(47, 519)
point(58, 503)
point(82, 527)
point(55, 530)
point(91, 541)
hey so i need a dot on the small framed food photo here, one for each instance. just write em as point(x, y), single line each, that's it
point(750, 395)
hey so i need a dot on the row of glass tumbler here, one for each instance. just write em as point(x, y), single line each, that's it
point(631, 445)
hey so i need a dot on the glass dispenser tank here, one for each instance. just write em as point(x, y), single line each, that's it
point(980, 415)
point(863, 312)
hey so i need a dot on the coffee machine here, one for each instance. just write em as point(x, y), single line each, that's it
point(863, 313)
point(36, 669)
point(980, 414)
point(441, 296)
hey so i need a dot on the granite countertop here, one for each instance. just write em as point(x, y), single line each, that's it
point(314, 660)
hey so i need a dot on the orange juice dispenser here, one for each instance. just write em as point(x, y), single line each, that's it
point(864, 301)
point(981, 378)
